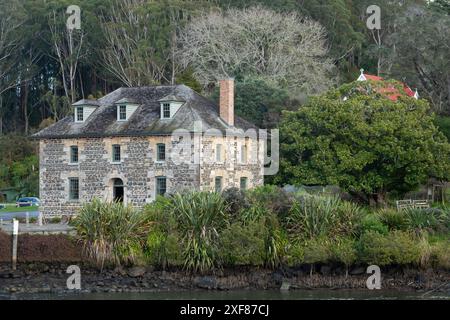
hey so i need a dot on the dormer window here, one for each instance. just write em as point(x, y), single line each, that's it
point(84, 108)
point(122, 112)
point(79, 114)
point(170, 105)
point(125, 108)
point(166, 110)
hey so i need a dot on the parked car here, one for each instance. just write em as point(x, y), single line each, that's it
point(2, 206)
point(28, 201)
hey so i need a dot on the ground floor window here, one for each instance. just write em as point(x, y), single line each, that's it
point(74, 189)
point(218, 184)
point(161, 186)
point(243, 183)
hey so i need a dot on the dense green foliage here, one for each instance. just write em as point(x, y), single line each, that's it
point(202, 232)
point(362, 141)
point(444, 125)
point(19, 168)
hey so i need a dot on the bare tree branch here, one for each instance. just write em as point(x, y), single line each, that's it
point(285, 49)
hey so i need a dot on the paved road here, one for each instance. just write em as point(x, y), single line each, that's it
point(51, 228)
point(6, 216)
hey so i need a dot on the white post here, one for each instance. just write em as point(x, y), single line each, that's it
point(27, 218)
point(14, 246)
point(40, 218)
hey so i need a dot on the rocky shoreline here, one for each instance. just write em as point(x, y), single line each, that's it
point(52, 278)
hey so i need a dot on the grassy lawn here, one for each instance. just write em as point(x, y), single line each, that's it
point(13, 208)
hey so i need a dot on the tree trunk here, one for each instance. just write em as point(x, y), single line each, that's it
point(24, 101)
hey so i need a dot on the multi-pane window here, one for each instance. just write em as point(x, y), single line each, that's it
point(243, 183)
point(122, 112)
point(161, 186)
point(74, 189)
point(244, 153)
point(116, 153)
point(80, 116)
point(218, 184)
point(218, 152)
point(74, 154)
point(160, 152)
point(166, 110)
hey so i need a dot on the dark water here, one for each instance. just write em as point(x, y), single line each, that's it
point(242, 295)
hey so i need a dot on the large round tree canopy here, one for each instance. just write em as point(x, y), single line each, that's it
point(362, 139)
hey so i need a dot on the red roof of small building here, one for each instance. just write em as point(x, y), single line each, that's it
point(390, 91)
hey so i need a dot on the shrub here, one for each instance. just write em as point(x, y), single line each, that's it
point(163, 246)
point(236, 201)
point(200, 217)
point(397, 247)
point(343, 250)
point(372, 222)
point(393, 219)
point(423, 219)
point(111, 232)
point(244, 244)
point(254, 213)
point(349, 216)
point(440, 254)
point(273, 198)
point(316, 251)
point(312, 216)
point(276, 242)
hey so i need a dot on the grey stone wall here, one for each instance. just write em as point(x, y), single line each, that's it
point(137, 169)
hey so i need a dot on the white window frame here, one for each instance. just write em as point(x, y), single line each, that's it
point(158, 179)
point(120, 113)
point(73, 179)
point(71, 154)
point(163, 110)
point(113, 160)
point(158, 159)
point(77, 114)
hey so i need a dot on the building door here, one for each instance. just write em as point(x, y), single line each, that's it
point(118, 191)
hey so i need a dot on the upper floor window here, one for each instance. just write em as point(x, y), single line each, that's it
point(116, 153)
point(160, 152)
point(166, 110)
point(161, 186)
point(218, 184)
point(79, 114)
point(74, 189)
point(74, 154)
point(243, 153)
point(243, 183)
point(122, 112)
point(218, 152)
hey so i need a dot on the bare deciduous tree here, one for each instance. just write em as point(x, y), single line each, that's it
point(9, 44)
point(285, 49)
point(128, 55)
point(68, 51)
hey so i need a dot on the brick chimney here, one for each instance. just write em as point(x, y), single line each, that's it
point(227, 100)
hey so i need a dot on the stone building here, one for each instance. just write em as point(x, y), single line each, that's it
point(136, 143)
